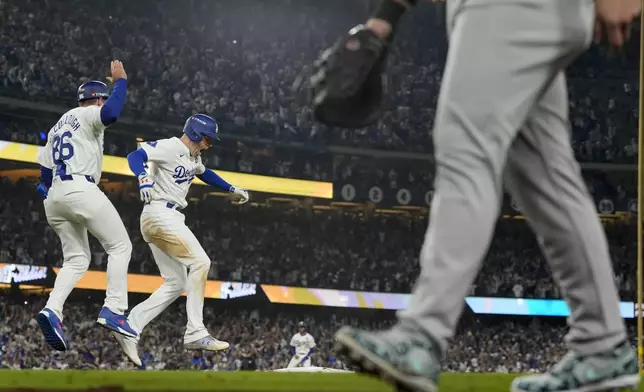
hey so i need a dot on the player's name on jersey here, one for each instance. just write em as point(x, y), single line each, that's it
point(70, 120)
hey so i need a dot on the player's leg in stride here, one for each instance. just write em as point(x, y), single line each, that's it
point(176, 251)
point(182, 261)
point(74, 204)
point(108, 228)
point(503, 98)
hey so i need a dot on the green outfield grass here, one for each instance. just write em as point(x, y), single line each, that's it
point(193, 381)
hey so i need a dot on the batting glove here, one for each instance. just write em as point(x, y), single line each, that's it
point(242, 193)
point(43, 190)
point(145, 187)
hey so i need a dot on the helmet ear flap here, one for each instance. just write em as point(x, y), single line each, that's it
point(193, 135)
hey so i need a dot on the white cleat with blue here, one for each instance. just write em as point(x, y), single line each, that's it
point(130, 347)
point(208, 343)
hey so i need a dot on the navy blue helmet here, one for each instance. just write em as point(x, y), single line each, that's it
point(92, 90)
point(199, 126)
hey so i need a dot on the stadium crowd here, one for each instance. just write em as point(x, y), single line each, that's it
point(238, 60)
point(300, 248)
point(361, 171)
point(227, 155)
point(261, 335)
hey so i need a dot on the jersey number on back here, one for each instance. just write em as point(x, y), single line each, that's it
point(62, 150)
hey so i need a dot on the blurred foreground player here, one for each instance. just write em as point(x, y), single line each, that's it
point(303, 344)
point(502, 119)
point(182, 261)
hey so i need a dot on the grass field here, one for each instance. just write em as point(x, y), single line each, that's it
point(193, 381)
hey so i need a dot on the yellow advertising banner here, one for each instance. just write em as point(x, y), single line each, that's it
point(27, 275)
point(118, 165)
point(146, 284)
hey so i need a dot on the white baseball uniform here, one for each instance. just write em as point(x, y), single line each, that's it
point(303, 345)
point(75, 204)
point(174, 247)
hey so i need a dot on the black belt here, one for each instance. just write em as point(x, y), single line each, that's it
point(173, 206)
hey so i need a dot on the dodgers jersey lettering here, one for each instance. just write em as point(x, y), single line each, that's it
point(172, 169)
point(75, 144)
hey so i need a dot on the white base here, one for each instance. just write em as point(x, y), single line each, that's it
point(312, 369)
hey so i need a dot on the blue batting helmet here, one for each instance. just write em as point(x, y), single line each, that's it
point(92, 90)
point(199, 125)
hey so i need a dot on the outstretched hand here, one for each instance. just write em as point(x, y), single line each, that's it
point(118, 71)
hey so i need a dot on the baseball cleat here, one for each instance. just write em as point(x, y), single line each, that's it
point(407, 364)
point(52, 329)
point(208, 343)
point(615, 369)
point(115, 322)
point(130, 347)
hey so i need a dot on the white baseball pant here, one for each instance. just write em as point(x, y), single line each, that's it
point(300, 360)
point(72, 208)
point(183, 264)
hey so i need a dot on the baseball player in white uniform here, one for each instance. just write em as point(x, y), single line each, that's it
point(501, 121)
point(71, 164)
point(173, 164)
point(303, 344)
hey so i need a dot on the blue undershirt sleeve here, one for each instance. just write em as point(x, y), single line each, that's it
point(211, 178)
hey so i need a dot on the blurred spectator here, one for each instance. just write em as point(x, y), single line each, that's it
point(519, 345)
point(237, 61)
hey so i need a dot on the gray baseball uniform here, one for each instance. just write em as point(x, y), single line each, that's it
point(502, 118)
